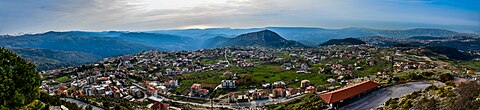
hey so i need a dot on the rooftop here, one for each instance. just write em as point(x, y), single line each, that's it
point(347, 92)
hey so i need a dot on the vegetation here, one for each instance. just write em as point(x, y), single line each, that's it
point(56, 101)
point(346, 41)
point(307, 102)
point(20, 81)
point(253, 76)
point(463, 97)
point(62, 79)
point(451, 53)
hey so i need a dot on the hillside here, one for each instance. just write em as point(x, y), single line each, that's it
point(45, 59)
point(464, 42)
point(264, 38)
point(451, 53)
point(346, 41)
point(163, 41)
point(66, 41)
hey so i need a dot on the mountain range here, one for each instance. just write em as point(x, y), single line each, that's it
point(309, 36)
point(97, 45)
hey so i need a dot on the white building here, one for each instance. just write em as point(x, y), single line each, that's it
point(228, 84)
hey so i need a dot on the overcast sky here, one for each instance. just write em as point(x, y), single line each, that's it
point(20, 16)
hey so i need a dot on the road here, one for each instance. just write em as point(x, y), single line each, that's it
point(379, 97)
point(80, 103)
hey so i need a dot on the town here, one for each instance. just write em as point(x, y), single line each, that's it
point(243, 77)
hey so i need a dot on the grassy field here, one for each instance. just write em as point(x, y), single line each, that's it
point(62, 79)
point(253, 76)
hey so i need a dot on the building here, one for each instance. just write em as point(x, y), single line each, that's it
point(195, 87)
point(292, 91)
point(160, 106)
point(203, 92)
point(279, 84)
point(335, 98)
point(91, 79)
point(228, 84)
point(231, 97)
point(310, 89)
point(171, 83)
point(242, 98)
point(279, 92)
point(304, 83)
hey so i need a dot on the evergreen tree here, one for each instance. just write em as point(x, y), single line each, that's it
point(19, 81)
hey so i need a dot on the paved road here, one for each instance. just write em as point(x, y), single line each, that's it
point(379, 97)
point(81, 104)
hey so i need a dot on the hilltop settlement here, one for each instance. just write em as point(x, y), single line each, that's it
point(262, 70)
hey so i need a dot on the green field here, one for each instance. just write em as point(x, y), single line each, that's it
point(62, 79)
point(253, 76)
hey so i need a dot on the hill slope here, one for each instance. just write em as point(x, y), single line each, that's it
point(346, 41)
point(464, 42)
point(45, 59)
point(66, 41)
point(264, 38)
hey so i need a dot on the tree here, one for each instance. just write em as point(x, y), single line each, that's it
point(427, 104)
point(446, 77)
point(467, 94)
point(89, 108)
point(19, 81)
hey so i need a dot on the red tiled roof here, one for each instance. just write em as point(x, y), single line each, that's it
point(347, 92)
point(279, 89)
point(195, 86)
point(160, 106)
point(203, 91)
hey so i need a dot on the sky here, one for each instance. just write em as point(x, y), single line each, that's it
point(34, 16)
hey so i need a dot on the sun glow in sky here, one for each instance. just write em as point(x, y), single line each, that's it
point(18, 16)
point(178, 4)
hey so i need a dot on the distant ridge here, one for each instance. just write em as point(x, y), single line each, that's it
point(264, 38)
point(346, 41)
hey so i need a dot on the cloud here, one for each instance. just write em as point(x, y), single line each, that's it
point(137, 15)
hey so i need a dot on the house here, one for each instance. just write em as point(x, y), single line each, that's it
point(231, 97)
point(279, 84)
point(228, 83)
point(470, 72)
point(304, 83)
point(335, 98)
point(228, 74)
point(304, 67)
point(160, 106)
point(310, 89)
point(331, 80)
point(203, 92)
point(171, 83)
point(195, 87)
point(195, 90)
point(302, 72)
point(267, 85)
point(242, 98)
point(258, 94)
point(279, 92)
point(292, 91)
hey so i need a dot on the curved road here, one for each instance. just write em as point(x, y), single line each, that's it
point(80, 103)
point(379, 97)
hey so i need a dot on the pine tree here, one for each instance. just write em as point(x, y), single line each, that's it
point(19, 81)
